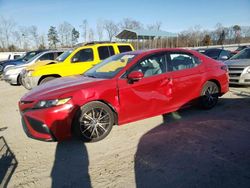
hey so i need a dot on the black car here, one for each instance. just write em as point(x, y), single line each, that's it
point(216, 53)
point(19, 61)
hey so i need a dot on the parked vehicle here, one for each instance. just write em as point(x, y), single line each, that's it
point(10, 55)
point(239, 68)
point(13, 74)
point(217, 54)
point(25, 58)
point(74, 62)
point(123, 88)
point(241, 48)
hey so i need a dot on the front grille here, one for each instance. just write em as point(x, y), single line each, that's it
point(235, 69)
point(234, 74)
point(233, 80)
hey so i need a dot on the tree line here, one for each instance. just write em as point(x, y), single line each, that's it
point(14, 37)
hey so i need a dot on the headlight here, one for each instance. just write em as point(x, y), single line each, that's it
point(248, 70)
point(51, 103)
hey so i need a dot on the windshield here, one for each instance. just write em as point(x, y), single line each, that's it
point(29, 55)
point(111, 66)
point(63, 56)
point(244, 54)
point(32, 58)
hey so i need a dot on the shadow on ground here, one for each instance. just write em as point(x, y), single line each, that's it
point(8, 163)
point(194, 148)
point(71, 165)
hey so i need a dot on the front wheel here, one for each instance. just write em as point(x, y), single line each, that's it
point(94, 122)
point(209, 95)
point(46, 79)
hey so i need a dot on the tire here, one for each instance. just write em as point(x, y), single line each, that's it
point(46, 79)
point(93, 122)
point(19, 80)
point(209, 95)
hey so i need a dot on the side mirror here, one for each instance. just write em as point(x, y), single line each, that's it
point(75, 59)
point(135, 76)
point(224, 57)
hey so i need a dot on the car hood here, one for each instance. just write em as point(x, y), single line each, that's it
point(240, 62)
point(14, 62)
point(60, 86)
point(40, 63)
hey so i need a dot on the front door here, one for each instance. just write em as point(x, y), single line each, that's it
point(148, 96)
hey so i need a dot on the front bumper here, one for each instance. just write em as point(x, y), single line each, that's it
point(29, 82)
point(11, 78)
point(243, 79)
point(238, 75)
point(47, 124)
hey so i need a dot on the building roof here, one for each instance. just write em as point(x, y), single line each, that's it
point(143, 34)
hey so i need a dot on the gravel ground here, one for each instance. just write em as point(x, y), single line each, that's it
point(189, 148)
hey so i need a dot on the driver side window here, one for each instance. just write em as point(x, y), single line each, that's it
point(152, 65)
point(83, 56)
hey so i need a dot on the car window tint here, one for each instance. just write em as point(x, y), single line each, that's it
point(47, 56)
point(212, 53)
point(180, 61)
point(152, 65)
point(105, 51)
point(225, 53)
point(124, 48)
point(83, 55)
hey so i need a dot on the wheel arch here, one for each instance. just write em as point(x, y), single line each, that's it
point(48, 75)
point(217, 83)
point(77, 111)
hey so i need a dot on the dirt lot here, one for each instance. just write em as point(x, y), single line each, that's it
point(190, 148)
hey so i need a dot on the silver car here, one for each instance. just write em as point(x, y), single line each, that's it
point(239, 68)
point(12, 74)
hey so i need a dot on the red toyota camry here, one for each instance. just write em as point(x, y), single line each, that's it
point(123, 88)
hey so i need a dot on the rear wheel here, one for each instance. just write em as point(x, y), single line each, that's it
point(46, 79)
point(94, 122)
point(209, 95)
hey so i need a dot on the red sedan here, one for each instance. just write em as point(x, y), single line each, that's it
point(123, 88)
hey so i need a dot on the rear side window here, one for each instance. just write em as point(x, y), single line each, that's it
point(48, 56)
point(105, 51)
point(180, 61)
point(124, 48)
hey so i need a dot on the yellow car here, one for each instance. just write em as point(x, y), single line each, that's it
point(72, 62)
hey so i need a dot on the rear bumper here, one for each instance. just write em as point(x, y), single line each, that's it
point(49, 124)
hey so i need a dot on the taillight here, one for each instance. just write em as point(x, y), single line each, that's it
point(224, 67)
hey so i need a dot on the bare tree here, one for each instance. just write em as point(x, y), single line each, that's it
point(155, 27)
point(18, 38)
point(84, 27)
point(111, 28)
point(99, 29)
point(34, 35)
point(129, 23)
point(65, 32)
point(6, 28)
point(91, 35)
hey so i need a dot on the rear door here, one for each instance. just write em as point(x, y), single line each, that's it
point(184, 71)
